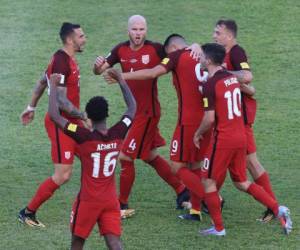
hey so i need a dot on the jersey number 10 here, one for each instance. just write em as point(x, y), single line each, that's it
point(110, 162)
point(233, 101)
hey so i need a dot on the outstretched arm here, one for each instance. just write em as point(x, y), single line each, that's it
point(145, 74)
point(128, 97)
point(28, 114)
point(53, 101)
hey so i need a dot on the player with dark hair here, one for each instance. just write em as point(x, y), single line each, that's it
point(227, 149)
point(97, 200)
point(62, 147)
point(187, 79)
point(225, 33)
point(144, 137)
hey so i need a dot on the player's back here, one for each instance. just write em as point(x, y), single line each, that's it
point(98, 154)
point(229, 124)
point(185, 71)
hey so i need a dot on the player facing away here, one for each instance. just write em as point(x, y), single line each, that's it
point(187, 80)
point(227, 150)
point(144, 137)
point(97, 200)
point(225, 33)
point(62, 147)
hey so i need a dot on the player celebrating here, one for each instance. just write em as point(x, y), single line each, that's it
point(143, 138)
point(227, 150)
point(187, 79)
point(236, 62)
point(97, 201)
point(62, 146)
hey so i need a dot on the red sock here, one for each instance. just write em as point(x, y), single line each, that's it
point(43, 193)
point(164, 171)
point(213, 203)
point(196, 202)
point(191, 181)
point(263, 197)
point(127, 177)
point(264, 182)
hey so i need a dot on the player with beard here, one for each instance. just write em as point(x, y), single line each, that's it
point(144, 137)
point(62, 147)
point(225, 33)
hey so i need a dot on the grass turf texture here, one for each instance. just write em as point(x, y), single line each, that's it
point(269, 31)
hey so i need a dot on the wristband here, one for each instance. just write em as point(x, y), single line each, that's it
point(30, 109)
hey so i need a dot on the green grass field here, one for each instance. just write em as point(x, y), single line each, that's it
point(269, 31)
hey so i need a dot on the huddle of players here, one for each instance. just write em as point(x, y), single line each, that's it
point(221, 148)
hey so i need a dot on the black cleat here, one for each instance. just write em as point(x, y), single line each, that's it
point(190, 217)
point(29, 219)
point(182, 197)
point(205, 209)
point(267, 216)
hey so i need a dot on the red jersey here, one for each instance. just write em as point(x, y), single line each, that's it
point(144, 91)
point(236, 59)
point(223, 95)
point(62, 63)
point(98, 155)
point(185, 72)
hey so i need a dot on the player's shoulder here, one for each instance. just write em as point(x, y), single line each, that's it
point(61, 55)
point(121, 45)
point(220, 75)
point(237, 49)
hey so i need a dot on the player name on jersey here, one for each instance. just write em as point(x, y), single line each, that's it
point(108, 146)
point(230, 81)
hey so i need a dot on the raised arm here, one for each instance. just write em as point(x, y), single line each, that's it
point(243, 76)
point(28, 114)
point(248, 89)
point(67, 106)
point(128, 97)
point(53, 101)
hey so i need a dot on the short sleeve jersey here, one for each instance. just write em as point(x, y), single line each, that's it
point(236, 59)
point(184, 71)
point(222, 94)
point(98, 155)
point(62, 63)
point(144, 91)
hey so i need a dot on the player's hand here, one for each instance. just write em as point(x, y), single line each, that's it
point(195, 51)
point(112, 76)
point(88, 124)
point(27, 116)
point(55, 79)
point(100, 60)
point(197, 138)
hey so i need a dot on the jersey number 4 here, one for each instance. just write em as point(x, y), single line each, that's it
point(109, 165)
point(233, 103)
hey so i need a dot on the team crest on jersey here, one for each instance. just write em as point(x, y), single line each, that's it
point(145, 59)
point(67, 155)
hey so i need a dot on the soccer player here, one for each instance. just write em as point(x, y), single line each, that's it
point(143, 138)
point(97, 200)
point(187, 80)
point(62, 147)
point(227, 150)
point(225, 33)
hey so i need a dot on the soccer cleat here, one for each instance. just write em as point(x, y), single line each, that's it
point(182, 197)
point(285, 219)
point(205, 208)
point(268, 215)
point(29, 219)
point(212, 231)
point(125, 211)
point(190, 217)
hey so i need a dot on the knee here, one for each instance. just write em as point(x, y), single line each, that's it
point(61, 177)
point(242, 186)
point(175, 167)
